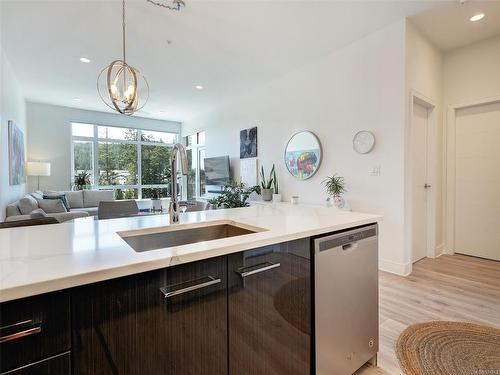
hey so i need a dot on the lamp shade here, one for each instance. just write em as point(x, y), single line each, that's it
point(38, 168)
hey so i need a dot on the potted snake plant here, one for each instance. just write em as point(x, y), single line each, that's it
point(156, 200)
point(266, 184)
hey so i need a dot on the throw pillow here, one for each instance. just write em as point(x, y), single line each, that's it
point(38, 213)
point(37, 195)
point(52, 206)
point(27, 204)
point(62, 197)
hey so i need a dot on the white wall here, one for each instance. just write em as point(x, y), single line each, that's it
point(12, 107)
point(424, 75)
point(472, 72)
point(361, 86)
point(49, 139)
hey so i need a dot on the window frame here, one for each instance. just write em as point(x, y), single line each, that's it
point(195, 148)
point(95, 162)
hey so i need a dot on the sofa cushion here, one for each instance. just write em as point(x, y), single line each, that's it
point(17, 217)
point(27, 204)
point(13, 209)
point(75, 198)
point(66, 216)
point(62, 197)
point(91, 198)
point(52, 206)
point(38, 213)
point(91, 211)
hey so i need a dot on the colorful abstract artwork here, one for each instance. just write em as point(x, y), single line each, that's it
point(17, 155)
point(248, 143)
point(303, 163)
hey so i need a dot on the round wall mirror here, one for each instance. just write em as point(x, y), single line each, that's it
point(303, 155)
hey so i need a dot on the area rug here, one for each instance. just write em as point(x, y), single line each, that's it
point(449, 348)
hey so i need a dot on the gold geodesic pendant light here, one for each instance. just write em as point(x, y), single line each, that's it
point(122, 87)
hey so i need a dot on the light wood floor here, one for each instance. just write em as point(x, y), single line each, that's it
point(451, 287)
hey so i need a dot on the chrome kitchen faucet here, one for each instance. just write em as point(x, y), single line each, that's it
point(174, 204)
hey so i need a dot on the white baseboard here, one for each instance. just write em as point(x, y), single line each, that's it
point(440, 250)
point(402, 269)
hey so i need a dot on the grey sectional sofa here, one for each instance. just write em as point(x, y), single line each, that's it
point(81, 203)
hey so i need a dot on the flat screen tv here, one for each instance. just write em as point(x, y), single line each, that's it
point(217, 170)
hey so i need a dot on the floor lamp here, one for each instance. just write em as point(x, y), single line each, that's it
point(37, 169)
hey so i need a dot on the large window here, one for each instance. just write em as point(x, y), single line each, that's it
point(135, 163)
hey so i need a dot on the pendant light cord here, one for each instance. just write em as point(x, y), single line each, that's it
point(123, 28)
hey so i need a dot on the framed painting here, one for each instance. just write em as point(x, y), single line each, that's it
point(17, 155)
point(248, 143)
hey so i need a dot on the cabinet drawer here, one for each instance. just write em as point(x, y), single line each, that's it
point(33, 329)
point(56, 365)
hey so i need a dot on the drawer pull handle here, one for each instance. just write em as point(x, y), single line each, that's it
point(26, 328)
point(170, 291)
point(262, 267)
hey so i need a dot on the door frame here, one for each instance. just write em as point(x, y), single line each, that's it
point(432, 178)
point(450, 166)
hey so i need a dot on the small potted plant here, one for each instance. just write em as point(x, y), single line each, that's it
point(267, 184)
point(233, 195)
point(82, 181)
point(276, 195)
point(155, 200)
point(335, 188)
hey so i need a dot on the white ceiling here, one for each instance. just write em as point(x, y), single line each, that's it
point(449, 27)
point(229, 47)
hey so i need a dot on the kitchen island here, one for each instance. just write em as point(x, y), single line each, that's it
point(91, 304)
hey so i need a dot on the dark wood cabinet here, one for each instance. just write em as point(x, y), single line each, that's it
point(56, 365)
point(270, 310)
point(248, 313)
point(33, 329)
point(172, 321)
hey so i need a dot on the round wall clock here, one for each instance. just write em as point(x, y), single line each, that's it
point(363, 141)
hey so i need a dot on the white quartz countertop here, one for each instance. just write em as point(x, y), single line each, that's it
point(40, 259)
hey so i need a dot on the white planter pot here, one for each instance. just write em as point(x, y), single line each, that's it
point(156, 204)
point(267, 194)
point(276, 197)
point(339, 202)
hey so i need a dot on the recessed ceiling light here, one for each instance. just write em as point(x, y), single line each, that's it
point(76, 99)
point(161, 111)
point(477, 17)
point(199, 87)
point(84, 60)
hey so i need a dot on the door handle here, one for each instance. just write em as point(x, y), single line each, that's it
point(427, 186)
point(21, 329)
point(175, 290)
point(252, 270)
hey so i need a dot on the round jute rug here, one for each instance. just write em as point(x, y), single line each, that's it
point(449, 348)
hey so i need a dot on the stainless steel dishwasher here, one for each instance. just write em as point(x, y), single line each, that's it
point(346, 300)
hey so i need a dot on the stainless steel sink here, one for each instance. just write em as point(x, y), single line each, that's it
point(177, 235)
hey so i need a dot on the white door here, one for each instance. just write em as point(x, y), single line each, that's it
point(419, 156)
point(477, 185)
